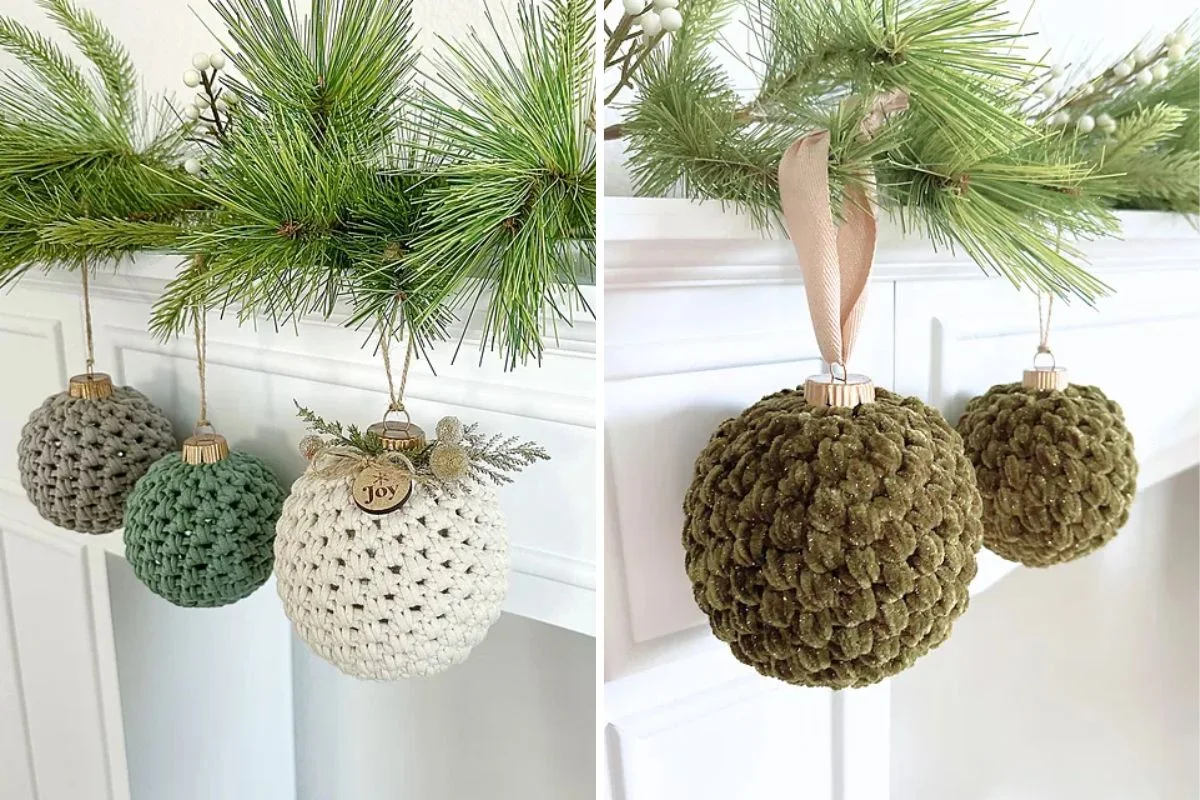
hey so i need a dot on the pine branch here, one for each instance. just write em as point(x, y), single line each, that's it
point(513, 208)
point(962, 164)
point(109, 57)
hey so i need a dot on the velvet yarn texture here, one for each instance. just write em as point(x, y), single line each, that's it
point(832, 547)
point(403, 594)
point(79, 458)
point(1056, 470)
point(202, 535)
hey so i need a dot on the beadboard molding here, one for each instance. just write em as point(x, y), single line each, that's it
point(704, 315)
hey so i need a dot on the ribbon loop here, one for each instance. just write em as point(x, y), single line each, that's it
point(834, 259)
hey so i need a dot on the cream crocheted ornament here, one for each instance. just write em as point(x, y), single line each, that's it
point(396, 595)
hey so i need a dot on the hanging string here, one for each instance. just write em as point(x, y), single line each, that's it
point(395, 394)
point(1044, 323)
point(200, 326)
point(87, 320)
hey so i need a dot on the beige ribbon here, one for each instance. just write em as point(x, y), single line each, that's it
point(834, 259)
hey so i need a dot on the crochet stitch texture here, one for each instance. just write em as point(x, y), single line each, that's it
point(1056, 470)
point(79, 458)
point(831, 546)
point(202, 534)
point(397, 595)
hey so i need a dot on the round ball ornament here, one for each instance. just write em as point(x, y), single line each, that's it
point(1055, 466)
point(200, 525)
point(82, 451)
point(391, 555)
point(831, 534)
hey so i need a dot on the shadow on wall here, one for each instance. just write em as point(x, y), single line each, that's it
point(1079, 681)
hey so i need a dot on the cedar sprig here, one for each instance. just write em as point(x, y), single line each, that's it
point(335, 433)
point(492, 457)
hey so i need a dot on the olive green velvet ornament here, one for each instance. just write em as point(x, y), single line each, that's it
point(203, 534)
point(832, 546)
point(1056, 470)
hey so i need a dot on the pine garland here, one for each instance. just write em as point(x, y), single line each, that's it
point(86, 171)
point(967, 163)
point(337, 179)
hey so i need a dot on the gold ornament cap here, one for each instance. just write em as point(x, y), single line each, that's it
point(399, 436)
point(90, 386)
point(1046, 379)
point(205, 448)
point(830, 390)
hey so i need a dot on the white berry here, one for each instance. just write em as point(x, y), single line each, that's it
point(1106, 123)
point(659, 5)
point(1061, 118)
point(1085, 124)
point(200, 100)
point(650, 22)
point(1123, 70)
point(191, 166)
point(192, 113)
point(221, 104)
point(1171, 38)
point(1182, 39)
point(1046, 90)
point(191, 78)
point(217, 60)
point(1145, 78)
point(671, 19)
point(1160, 71)
point(1139, 57)
point(634, 7)
point(1176, 52)
point(231, 97)
point(201, 61)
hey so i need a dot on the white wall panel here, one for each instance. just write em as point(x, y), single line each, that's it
point(16, 765)
point(31, 341)
point(48, 587)
point(206, 694)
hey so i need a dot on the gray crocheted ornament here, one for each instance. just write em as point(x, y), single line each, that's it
point(80, 457)
point(1056, 470)
point(832, 546)
point(202, 535)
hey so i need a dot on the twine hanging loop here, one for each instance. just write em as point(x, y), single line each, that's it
point(91, 385)
point(205, 445)
point(1045, 378)
point(397, 436)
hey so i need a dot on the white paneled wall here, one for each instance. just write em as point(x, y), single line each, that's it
point(1075, 682)
point(109, 692)
point(704, 316)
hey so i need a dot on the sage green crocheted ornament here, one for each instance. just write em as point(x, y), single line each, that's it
point(1056, 470)
point(832, 546)
point(203, 534)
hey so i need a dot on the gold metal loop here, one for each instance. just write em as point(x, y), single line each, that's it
point(1044, 351)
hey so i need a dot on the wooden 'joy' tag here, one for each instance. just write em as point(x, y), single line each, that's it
point(381, 489)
